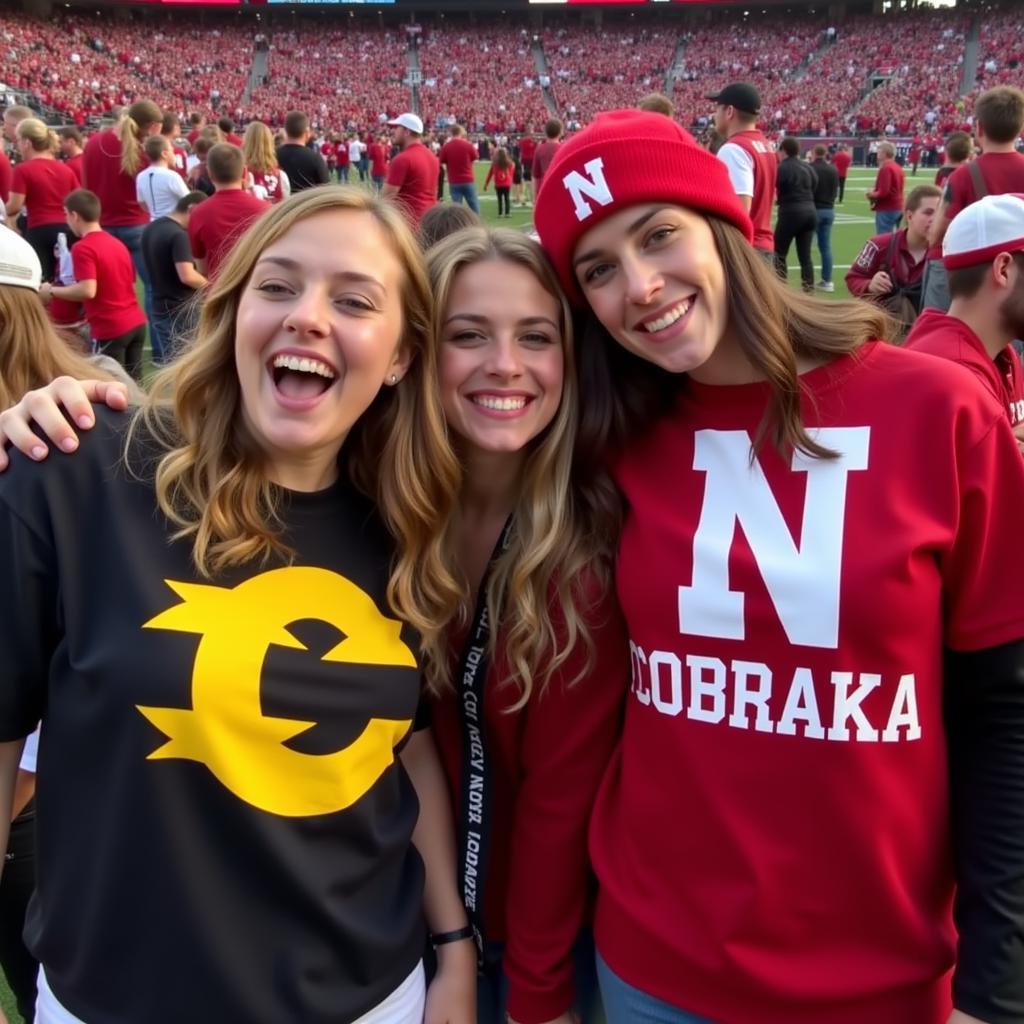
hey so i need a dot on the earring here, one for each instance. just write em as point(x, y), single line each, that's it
point(393, 379)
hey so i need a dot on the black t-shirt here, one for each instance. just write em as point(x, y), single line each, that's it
point(164, 243)
point(827, 187)
point(304, 167)
point(224, 826)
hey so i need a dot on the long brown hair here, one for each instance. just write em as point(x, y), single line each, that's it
point(774, 324)
point(140, 115)
point(32, 353)
point(210, 478)
point(565, 523)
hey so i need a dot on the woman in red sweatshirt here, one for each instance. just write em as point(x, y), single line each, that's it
point(816, 814)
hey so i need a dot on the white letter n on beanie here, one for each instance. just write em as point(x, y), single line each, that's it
point(595, 187)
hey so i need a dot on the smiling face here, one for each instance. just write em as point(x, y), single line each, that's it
point(317, 334)
point(501, 360)
point(653, 277)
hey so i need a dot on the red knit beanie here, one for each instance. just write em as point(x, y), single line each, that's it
point(625, 157)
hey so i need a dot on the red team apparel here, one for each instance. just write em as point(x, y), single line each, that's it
point(106, 260)
point(215, 226)
point(770, 837)
point(180, 163)
point(841, 160)
point(542, 159)
point(74, 164)
point(889, 186)
point(905, 271)
point(1001, 172)
point(458, 155)
point(44, 183)
point(762, 153)
point(501, 179)
point(415, 172)
point(378, 154)
point(5, 177)
point(546, 762)
point(102, 175)
point(527, 150)
point(270, 184)
point(943, 335)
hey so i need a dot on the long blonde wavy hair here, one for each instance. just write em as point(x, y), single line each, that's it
point(565, 524)
point(209, 474)
point(258, 148)
point(142, 114)
point(32, 353)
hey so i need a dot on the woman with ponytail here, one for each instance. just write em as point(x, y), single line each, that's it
point(112, 159)
point(40, 182)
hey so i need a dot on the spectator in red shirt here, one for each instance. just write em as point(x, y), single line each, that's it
point(196, 124)
point(40, 183)
point(217, 224)
point(112, 160)
point(104, 283)
point(999, 120)
point(545, 153)
point(170, 129)
point(71, 149)
point(457, 156)
point(501, 172)
point(841, 160)
point(887, 195)
point(527, 151)
point(984, 258)
point(269, 182)
point(5, 176)
point(413, 174)
point(227, 127)
point(378, 154)
point(891, 265)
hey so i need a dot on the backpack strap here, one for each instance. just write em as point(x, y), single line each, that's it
point(977, 180)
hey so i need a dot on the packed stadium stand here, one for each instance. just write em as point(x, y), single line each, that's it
point(484, 76)
point(901, 73)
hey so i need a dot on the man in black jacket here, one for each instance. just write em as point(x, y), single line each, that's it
point(825, 193)
point(795, 183)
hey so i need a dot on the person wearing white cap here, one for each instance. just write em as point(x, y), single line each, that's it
point(412, 176)
point(983, 253)
point(32, 353)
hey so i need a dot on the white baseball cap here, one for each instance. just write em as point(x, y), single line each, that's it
point(410, 121)
point(19, 264)
point(981, 231)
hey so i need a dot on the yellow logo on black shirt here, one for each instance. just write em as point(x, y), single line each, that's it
point(226, 729)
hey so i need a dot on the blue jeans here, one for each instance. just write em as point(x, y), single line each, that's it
point(492, 989)
point(886, 221)
point(624, 1004)
point(467, 192)
point(826, 217)
point(131, 235)
point(172, 332)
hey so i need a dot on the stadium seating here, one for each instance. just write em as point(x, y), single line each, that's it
point(351, 74)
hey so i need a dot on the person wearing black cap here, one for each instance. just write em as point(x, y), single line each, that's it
point(749, 156)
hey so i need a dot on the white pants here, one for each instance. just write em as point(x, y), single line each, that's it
point(404, 1005)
